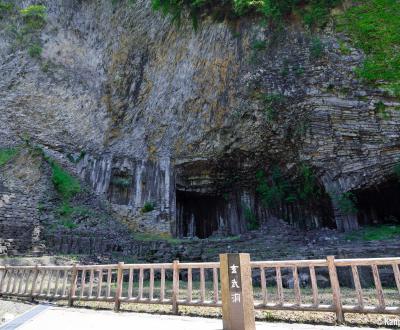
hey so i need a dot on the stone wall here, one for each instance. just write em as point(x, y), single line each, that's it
point(18, 222)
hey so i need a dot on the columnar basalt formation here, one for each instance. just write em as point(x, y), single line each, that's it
point(182, 121)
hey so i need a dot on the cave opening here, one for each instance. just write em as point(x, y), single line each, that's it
point(198, 214)
point(379, 204)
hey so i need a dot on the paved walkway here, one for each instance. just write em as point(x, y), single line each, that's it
point(42, 318)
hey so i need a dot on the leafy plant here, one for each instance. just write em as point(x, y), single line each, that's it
point(41, 207)
point(65, 209)
point(380, 109)
point(35, 51)
point(344, 49)
point(76, 159)
point(273, 103)
point(274, 190)
point(34, 16)
point(347, 203)
point(259, 45)
point(69, 223)
point(7, 154)
point(317, 48)
point(24, 25)
point(315, 12)
point(5, 9)
point(148, 207)
point(121, 181)
point(251, 219)
point(308, 187)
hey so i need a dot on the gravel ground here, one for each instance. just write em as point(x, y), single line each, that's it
point(73, 318)
point(317, 318)
point(10, 309)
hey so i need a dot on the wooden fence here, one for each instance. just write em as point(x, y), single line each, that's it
point(198, 284)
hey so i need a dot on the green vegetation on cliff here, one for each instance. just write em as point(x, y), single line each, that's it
point(7, 154)
point(315, 13)
point(34, 17)
point(276, 189)
point(347, 203)
point(66, 185)
point(148, 207)
point(23, 25)
point(5, 8)
point(374, 26)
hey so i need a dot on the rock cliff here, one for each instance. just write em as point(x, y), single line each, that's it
point(178, 129)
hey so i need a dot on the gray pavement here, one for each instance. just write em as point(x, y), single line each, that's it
point(58, 318)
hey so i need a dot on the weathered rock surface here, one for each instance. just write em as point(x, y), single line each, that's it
point(176, 118)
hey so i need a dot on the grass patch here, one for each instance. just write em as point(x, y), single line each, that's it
point(375, 233)
point(67, 210)
point(66, 185)
point(7, 154)
point(147, 237)
point(373, 26)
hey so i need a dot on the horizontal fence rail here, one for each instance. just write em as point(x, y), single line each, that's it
point(293, 285)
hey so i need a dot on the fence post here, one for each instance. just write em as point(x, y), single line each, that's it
point(2, 278)
point(73, 286)
point(237, 292)
point(35, 276)
point(175, 287)
point(337, 301)
point(118, 291)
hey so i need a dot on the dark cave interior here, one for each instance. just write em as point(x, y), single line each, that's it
point(379, 204)
point(198, 214)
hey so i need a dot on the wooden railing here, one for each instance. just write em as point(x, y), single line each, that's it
point(198, 284)
point(331, 265)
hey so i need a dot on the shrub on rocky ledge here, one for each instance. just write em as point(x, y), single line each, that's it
point(66, 185)
point(6, 155)
point(148, 207)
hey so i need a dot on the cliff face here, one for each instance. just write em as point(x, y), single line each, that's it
point(184, 120)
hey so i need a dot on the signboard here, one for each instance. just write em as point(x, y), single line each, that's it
point(237, 298)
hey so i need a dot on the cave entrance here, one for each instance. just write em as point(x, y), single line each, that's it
point(198, 215)
point(379, 204)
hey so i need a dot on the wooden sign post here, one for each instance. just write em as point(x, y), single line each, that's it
point(237, 292)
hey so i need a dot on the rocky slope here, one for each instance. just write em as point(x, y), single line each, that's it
point(182, 122)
